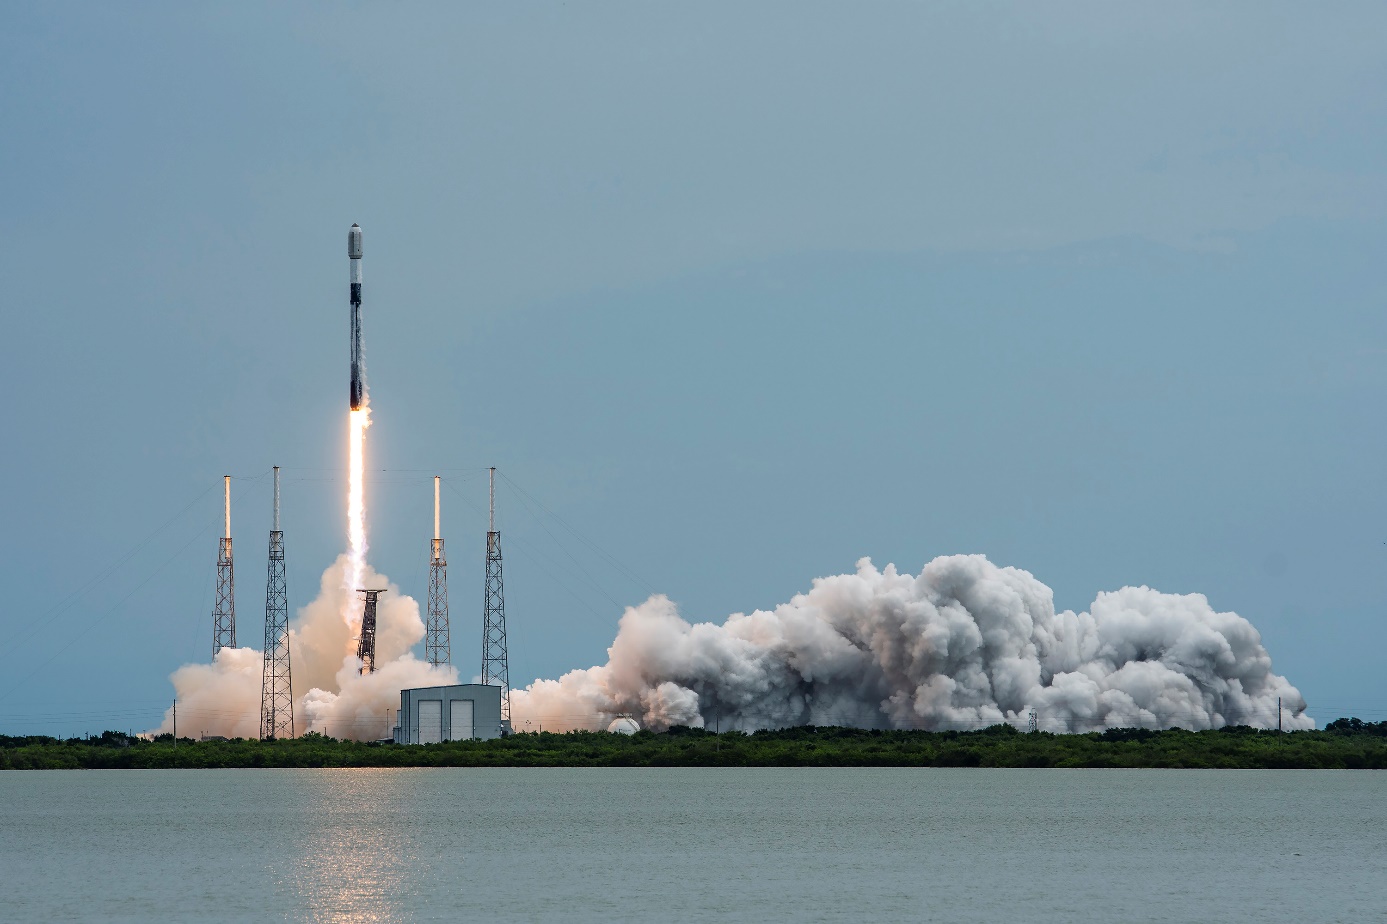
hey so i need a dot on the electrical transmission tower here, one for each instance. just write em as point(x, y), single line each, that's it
point(276, 688)
point(495, 660)
point(436, 645)
point(366, 647)
point(224, 616)
point(1034, 724)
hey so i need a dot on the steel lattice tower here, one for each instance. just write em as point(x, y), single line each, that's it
point(495, 659)
point(224, 616)
point(437, 649)
point(366, 647)
point(276, 686)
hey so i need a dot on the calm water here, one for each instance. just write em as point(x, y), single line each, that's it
point(693, 845)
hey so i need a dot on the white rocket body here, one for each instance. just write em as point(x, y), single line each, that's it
point(358, 373)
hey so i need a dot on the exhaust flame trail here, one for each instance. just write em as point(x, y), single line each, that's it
point(359, 421)
point(340, 700)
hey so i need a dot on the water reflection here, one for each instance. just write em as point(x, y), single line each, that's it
point(356, 855)
point(590, 846)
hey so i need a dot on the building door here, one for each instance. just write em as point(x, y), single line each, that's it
point(430, 721)
point(460, 719)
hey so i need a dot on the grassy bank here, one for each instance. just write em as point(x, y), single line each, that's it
point(1345, 744)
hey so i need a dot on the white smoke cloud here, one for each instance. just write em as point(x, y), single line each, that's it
point(221, 698)
point(364, 706)
point(332, 696)
point(320, 637)
point(965, 644)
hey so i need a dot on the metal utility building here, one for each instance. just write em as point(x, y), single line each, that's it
point(431, 714)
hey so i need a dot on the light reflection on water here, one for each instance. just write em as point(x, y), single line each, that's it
point(693, 844)
point(354, 859)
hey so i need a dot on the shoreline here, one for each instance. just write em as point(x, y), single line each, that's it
point(1340, 746)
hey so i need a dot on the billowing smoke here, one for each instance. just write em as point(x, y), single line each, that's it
point(221, 698)
point(964, 644)
point(331, 695)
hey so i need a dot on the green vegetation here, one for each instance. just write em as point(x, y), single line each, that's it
point(1344, 744)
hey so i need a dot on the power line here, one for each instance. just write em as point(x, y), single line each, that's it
point(104, 614)
point(535, 556)
point(101, 576)
point(612, 559)
point(591, 580)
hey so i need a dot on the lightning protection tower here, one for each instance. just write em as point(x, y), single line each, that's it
point(436, 643)
point(366, 647)
point(495, 660)
point(224, 616)
point(276, 687)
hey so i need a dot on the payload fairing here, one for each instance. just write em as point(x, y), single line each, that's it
point(358, 372)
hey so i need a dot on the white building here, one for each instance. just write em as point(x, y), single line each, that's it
point(432, 714)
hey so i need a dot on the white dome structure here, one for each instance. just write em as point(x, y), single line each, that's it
point(625, 725)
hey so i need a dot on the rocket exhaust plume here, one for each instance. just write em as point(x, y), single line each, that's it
point(326, 636)
point(965, 644)
point(358, 422)
point(331, 695)
point(359, 419)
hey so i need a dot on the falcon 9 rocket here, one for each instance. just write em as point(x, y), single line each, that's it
point(358, 373)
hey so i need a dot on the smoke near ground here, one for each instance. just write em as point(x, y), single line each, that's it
point(331, 695)
point(964, 644)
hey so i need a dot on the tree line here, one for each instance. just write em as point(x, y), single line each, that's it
point(1343, 744)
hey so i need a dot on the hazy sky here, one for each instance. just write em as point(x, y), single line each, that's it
point(738, 293)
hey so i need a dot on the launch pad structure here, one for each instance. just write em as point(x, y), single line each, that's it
point(495, 656)
point(224, 613)
point(437, 646)
point(276, 685)
point(276, 693)
point(366, 647)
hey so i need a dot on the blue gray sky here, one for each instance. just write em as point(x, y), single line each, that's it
point(732, 294)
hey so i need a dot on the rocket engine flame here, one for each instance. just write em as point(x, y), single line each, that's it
point(358, 422)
